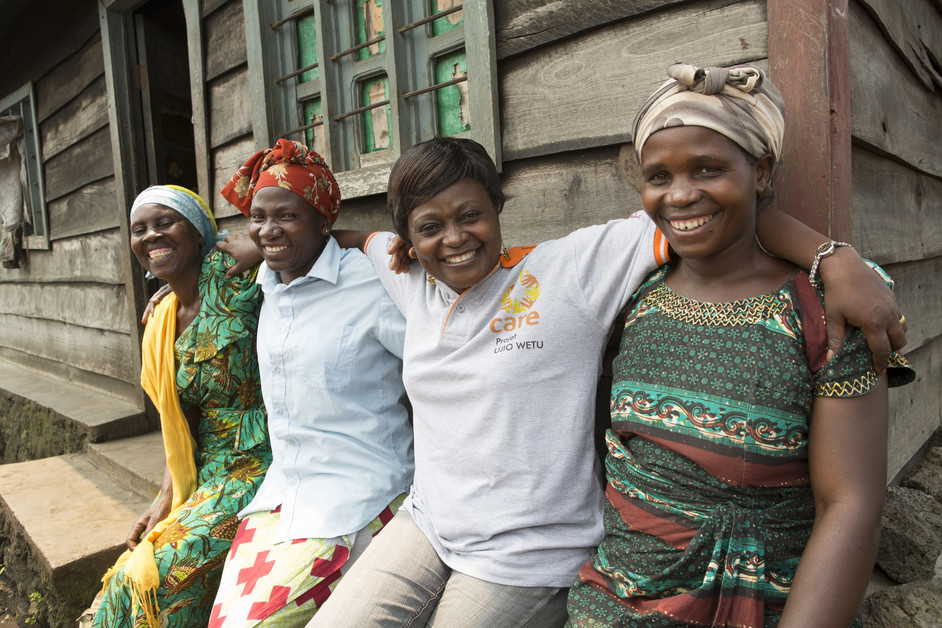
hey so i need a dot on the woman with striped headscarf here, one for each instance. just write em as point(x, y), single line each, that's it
point(746, 463)
point(200, 369)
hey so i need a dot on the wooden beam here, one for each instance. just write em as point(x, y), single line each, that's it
point(123, 119)
point(257, 34)
point(561, 97)
point(526, 24)
point(224, 32)
point(194, 44)
point(809, 61)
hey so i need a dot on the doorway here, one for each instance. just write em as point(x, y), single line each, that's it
point(163, 78)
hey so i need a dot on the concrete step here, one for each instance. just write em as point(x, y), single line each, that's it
point(44, 416)
point(136, 462)
point(62, 524)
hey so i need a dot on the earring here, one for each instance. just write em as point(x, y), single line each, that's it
point(326, 231)
point(431, 280)
point(504, 252)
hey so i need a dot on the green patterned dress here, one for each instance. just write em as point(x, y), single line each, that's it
point(708, 497)
point(218, 373)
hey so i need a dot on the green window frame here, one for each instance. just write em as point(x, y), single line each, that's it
point(22, 103)
point(361, 81)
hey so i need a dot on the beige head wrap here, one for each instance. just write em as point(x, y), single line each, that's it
point(739, 103)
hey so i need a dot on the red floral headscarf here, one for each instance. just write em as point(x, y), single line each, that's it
point(289, 165)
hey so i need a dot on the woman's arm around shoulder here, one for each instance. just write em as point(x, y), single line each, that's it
point(243, 250)
point(855, 295)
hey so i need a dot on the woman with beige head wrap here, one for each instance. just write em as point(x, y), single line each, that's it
point(745, 464)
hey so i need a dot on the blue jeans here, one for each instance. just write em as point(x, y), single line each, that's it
point(400, 582)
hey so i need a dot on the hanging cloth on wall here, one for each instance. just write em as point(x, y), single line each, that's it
point(13, 191)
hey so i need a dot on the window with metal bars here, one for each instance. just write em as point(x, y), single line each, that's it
point(18, 110)
point(360, 81)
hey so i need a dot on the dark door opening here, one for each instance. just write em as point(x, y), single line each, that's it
point(166, 106)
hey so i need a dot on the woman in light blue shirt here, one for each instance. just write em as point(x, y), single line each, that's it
point(330, 344)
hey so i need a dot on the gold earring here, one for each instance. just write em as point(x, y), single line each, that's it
point(431, 280)
point(504, 252)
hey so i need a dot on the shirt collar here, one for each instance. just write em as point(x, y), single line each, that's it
point(327, 267)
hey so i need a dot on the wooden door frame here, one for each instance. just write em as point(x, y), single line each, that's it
point(117, 36)
point(809, 61)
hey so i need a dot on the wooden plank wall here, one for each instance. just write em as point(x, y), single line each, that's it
point(572, 74)
point(896, 117)
point(229, 114)
point(64, 312)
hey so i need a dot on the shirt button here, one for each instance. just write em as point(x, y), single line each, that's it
point(460, 308)
point(277, 370)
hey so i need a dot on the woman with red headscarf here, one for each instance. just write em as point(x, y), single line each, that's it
point(330, 344)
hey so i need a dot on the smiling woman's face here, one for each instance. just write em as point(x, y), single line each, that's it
point(700, 189)
point(164, 242)
point(288, 231)
point(456, 234)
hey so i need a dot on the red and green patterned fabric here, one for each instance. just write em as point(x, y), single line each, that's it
point(708, 498)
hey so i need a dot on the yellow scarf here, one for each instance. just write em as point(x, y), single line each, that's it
point(158, 378)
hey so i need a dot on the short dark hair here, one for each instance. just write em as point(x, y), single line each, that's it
point(432, 166)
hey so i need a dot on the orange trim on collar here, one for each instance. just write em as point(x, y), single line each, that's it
point(515, 256)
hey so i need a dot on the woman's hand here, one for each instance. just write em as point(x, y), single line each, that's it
point(146, 522)
point(400, 250)
point(241, 247)
point(152, 303)
point(856, 295)
point(157, 512)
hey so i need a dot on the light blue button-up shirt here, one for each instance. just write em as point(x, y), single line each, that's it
point(330, 353)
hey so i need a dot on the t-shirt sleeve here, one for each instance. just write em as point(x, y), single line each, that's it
point(612, 260)
point(399, 286)
point(850, 372)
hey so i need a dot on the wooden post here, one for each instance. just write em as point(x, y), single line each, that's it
point(123, 119)
point(809, 61)
point(194, 43)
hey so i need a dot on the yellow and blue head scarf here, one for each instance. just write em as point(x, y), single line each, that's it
point(188, 204)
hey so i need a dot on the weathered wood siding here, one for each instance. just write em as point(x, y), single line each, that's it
point(64, 311)
point(572, 74)
point(897, 188)
point(229, 114)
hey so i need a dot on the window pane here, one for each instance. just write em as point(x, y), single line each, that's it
point(307, 47)
point(454, 115)
point(314, 137)
point(449, 22)
point(375, 121)
point(369, 20)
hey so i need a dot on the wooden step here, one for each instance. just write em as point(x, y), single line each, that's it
point(136, 462)
point(62, 524)
point(44, 416)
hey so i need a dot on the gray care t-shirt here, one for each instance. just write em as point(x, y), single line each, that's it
point(502, 381)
